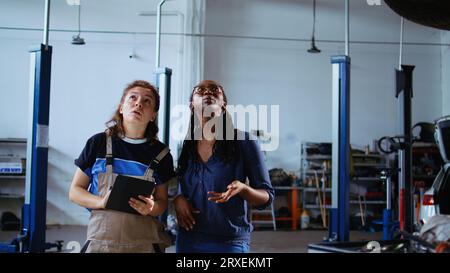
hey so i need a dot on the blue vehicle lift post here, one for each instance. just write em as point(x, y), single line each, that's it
point(339, 211)
point(33, 223)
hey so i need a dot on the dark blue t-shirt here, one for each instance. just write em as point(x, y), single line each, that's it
point(223, 222)
point(129, 159)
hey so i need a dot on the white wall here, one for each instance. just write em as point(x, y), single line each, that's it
point(87, 81)
point(270, 71)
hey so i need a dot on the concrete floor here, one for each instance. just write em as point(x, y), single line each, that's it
point(262, 241)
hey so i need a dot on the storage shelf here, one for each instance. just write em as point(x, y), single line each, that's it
point(267, 211)
point(13, 148)
point(308, 169)
point(267, 222)
point(378, 165)
point(366, 179)
point(374, 202)
point(309, 206)
point(318, 157)
point(319, 172)
point(361, 163)
point(287, 188)
point(13, 140)
point(12, 177)
point(12, 196)
point(312, 189)
point(368, 156)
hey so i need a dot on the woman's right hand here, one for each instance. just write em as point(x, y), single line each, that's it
point(185, 211)
point(79, 194)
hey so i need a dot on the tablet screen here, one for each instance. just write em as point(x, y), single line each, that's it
point(126, 187)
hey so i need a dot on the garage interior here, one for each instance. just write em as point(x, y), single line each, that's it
point(362, 83)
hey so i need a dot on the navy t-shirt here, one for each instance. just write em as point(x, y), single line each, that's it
point(129, 159)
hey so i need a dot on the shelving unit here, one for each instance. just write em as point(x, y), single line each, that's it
point(316, 159)
point(12, 196)
point(426, 163)
point(9, 177)
point(309, 189)
point(308, 206)
point(292, 193)
point(365, 181)
point(368, 202)
point(12, 183)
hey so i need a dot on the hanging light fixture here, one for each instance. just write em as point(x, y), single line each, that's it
point(76, 39)
point(314, 48)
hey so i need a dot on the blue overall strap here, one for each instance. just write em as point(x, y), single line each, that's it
point(109, 155)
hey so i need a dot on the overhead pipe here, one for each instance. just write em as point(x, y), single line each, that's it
point(158, 33)
point(46, 23)
point(401, 45)
point(347, 28)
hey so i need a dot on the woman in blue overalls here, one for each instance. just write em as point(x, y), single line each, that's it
point(215, 165)
point(127, 148)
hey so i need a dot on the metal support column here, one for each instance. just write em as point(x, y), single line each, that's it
point(404, 94)
point(34, 209)
point(163, 79)
point(388, 223)
point(339, 212)
point(340, 174)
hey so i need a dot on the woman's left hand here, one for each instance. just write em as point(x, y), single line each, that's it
point(144, 206)
point(234, 188)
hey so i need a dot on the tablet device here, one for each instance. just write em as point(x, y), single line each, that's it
point(126, 187)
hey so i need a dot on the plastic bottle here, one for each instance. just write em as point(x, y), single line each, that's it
point(304, 220)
